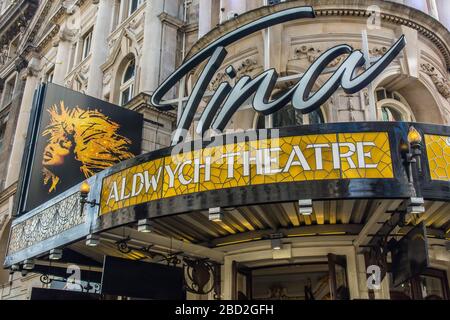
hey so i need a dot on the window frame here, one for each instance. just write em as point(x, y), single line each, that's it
point(11, 83)
point(3, 128)
point(86, 44)
point(393, 100)
point(49, 75)
point(138, 5)
point(128, 84)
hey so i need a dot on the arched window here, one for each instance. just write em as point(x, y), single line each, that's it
point(392, 106)
point(389, 113)
point(127, 84)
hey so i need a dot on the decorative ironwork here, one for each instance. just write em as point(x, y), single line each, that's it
point(122, 245)
point(51, 221)
point(88, 287)
point(45, 279)
point(198, 274)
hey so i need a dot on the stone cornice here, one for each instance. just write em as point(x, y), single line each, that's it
point(142, 102)
point(47, 38)
point(171, 20)
point(62, 11)
point(34, 29)
point(18, 15)
point(391, 12)
point(8, 192)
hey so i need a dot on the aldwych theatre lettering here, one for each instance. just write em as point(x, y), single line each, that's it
point(364, 155)
point(266, 161)
point(226, 99)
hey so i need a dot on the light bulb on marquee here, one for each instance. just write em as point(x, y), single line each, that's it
point(414, 137)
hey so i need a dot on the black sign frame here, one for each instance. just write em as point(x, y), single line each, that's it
point(46, 95)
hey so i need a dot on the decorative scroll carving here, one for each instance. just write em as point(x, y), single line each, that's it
point(81, 76)
point(378, 51)
point(311, 54)
point(107, 78)
point(50, 222)
point(197, 275)
point(4, 54)
point(442, 84)
point(244, 67)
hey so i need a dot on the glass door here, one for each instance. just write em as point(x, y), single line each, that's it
point(337, 266)
point(432, 284)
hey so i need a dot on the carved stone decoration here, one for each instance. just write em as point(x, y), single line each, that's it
point(244, 67)
point(442, 84)
point(248, 65)
point(285, 85)
point(50, 222)
point(4, 54)
point(107, 78)
point(353, 109)
point(378, 51)
point(66, 34)
point(136, 22)
point(131, 34)
point(81, 76)
point(366, 97)
point(112, 43)
point(311, 54)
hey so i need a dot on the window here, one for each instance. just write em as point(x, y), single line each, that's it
point(390, 114)
point(127, 85)
point(134, 5)
point(72, 57)
point(87, 40)
point(392, 106)
point(9, 91)
point(431, 285)
point(3, 122)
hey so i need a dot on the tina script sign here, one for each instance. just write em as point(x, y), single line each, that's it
point(226, 100)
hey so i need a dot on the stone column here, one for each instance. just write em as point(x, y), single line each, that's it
point(99, 47)
point(151, 50)
point(204, 19)
point(62, 57)
point(15, 160)
point(443, 7)
point(433, 11)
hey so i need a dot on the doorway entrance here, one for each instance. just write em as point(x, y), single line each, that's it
point(299, 281)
